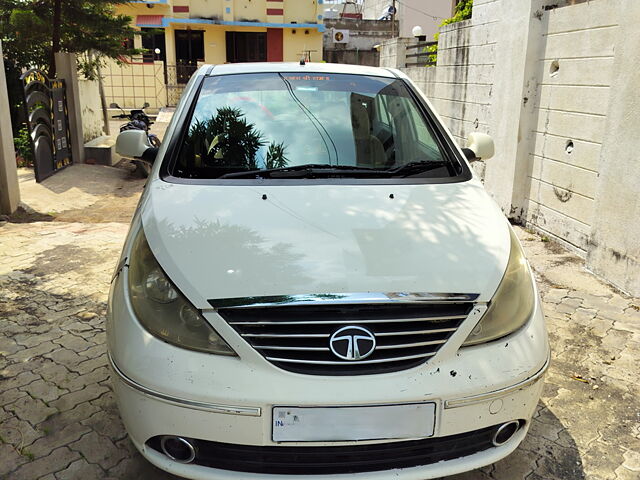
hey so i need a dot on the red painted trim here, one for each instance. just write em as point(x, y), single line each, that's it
point(275, 44)
point(142, 20)
point(275, 11)
point(180, 9)
point(357, 16)
point(273, 1)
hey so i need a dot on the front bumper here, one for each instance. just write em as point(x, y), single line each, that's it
point(165, 390)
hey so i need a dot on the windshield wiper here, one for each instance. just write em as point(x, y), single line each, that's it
point(308, 170)
point(312, 170)
point(413, 168)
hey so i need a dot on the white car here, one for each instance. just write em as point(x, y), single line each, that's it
point(316, 285)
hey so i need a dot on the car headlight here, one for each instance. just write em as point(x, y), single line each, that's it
point(163, 310)
point(513, 302)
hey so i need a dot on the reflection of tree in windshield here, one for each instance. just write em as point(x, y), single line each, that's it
point(276, 156)
point(229, 140)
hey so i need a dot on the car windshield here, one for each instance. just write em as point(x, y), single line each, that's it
point(290, 125)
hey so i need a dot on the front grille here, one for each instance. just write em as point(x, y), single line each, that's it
point(296, 338)
point(336, 460)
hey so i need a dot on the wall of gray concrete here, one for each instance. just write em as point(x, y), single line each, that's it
point(555, 83)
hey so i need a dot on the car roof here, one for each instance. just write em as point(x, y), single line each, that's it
point(295, 67)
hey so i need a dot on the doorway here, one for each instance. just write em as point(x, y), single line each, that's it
point(189, 50)
point(246, 47)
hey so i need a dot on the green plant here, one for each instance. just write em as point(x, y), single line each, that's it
point(22, 144)
point(26, 453)
point(462, 11)
point(276, 156)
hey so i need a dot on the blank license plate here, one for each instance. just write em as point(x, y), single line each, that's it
point(325, 424)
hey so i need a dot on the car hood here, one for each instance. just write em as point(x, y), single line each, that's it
point(231, 241)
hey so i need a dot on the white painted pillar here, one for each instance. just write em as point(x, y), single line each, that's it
point(614, 246)
point(515, 78)
point(9, 190)
point(67, 70)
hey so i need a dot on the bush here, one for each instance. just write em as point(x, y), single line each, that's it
point(462, 11)
point(24, 151)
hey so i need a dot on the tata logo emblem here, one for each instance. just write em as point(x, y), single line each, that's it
point(352, 343)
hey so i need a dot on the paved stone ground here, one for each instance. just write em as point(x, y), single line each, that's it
point(58, 419)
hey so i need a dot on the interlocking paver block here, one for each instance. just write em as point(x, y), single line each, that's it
point(107, 423)
point(57, 460)
point(75, 415)
point(10, 459)
point(31, 409)
point(43, 390)
point(18, 433)
point(91, 364)
point(73, 342)
point(98, 375)
point(80, 469)
point(66, 357)
point(29, 353)
point(9, 396)
point(18, 381)
point(70, 400)
point(99, 449)
point(57, 436)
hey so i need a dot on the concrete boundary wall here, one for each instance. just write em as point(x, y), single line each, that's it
point(130, 85)
point(556, 85)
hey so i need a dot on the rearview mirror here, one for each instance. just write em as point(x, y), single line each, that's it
point(479, 146)
point(132, 143)
point(146, 104)
point(114, 105)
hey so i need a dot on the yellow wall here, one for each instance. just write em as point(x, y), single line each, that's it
point(300, 11)
point(246, 11)
point(207, 8)
point(296, 43)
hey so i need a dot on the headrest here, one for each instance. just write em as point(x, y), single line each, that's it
point(360, 121)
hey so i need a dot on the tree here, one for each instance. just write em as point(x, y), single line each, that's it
point(33, 31)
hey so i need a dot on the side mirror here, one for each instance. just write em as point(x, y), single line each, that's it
point(114, 105)
point(480, 145)
point(132, 143)
point(146, 104)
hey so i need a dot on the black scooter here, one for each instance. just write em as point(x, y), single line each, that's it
point(138, 120)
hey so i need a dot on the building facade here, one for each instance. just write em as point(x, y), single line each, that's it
point(180, 35)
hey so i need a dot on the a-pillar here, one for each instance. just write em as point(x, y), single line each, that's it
point(9, 191)
point(67, 70)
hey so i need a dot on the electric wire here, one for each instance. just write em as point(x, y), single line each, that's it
point(435, 17)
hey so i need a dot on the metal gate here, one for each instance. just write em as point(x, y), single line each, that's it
point(176, 78)
point(48, 122)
